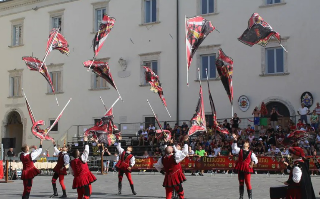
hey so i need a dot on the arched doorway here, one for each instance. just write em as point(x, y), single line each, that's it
point(13, 134)
point(282, 110)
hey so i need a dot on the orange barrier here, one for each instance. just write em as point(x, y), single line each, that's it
point(217, 163)
point(1, 169)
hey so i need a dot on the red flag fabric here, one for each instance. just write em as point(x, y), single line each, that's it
point(34, 64)
point(198, 121)
point(102, 34)
point(224, 65)
point(258, 32)
point(155, 84)
point(164, 135)
point(197, 29)
point(102, 69)
point(56, 41)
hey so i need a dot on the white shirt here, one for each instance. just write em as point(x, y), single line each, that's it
point(34, 154)
point(144, 134)
point(153, 128)
point(121, 150)
point(178, 156)
point(285, 152)
point(297, 173)
point(217, 151)
point(303, 111)
point(191, 152)
point(275, 151)
point(318, 138)
point(236, 150)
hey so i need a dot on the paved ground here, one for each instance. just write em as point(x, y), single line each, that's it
point(148, 186)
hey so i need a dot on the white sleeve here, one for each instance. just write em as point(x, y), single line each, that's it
point(180, 155)
point(56, 150)
point(36, 153)
point(132, 161)
point(235, 148)
point(85, 154)
point(120, 150)
point(66, 160)
point(297, 173)
point(254, 158)
point(159, 164)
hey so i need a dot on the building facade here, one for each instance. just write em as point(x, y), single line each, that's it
point(150, 32)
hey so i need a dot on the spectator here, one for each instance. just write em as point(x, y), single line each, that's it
point(318, 109)
point(106, 163)
point(251, 137)
point(284, 151)
point(152, 127)
point(270, 128)
point(47, 153)
point(256, 119)
point(260, 150)
point(305, 145)
point(274, 117)
point(190, 151)
point(143, 137)
point(11, 153)
point(157, 152)
point(249, 130)
point(280, 137)
point(262, 130)
point(303, 112)
point(263, 137)
point(292, 126)
point(280, 130)
point(314, 119)
point(115, 161)
point(300, 124)
point(253, 144)
point(184, 125)
point(200, 153)
point(217, 150)
point(226, 125)
point(235, 122)
point(271, 140)
point(145, 154)
point(273, 151)
point(152, 135)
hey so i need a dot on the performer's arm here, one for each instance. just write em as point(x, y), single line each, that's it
point(120, 150)
point(254, 158)
point(85, 154)
point(297, 173)
point(37, 152)
point(132, 161)
point(235, 148)
point(56, 150)
point(179, 156)
point(159, 165)
point(66, 160)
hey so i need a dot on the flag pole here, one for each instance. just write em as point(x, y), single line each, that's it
point(185, 24)
point(56, 98)
point(103, 103)
point(199, 76)
point(58, 117)
point(167, 111)
point(47, 52)
point(114, 103)
point(213, 113)
point(283, 48)
point(28, 103)
point(154, 114)
point(217, 30)
point(91, 63)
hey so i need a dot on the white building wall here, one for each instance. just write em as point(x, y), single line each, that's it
point(295, 20)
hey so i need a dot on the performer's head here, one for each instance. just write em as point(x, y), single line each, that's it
point(64, 148)
point(246, 144)
point(76, 153)
point(129, 149)
point(178, 146)
point(25, 148)
point(169, 150)
point(296, 152)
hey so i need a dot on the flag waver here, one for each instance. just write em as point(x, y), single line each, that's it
point(56, 41)
point(197, 29)
point(198, 121)
point(258, 32)
point(224, 65)
point(102, 34)
point(153, 79)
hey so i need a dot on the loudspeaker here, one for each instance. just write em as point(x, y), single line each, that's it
point(9, 143)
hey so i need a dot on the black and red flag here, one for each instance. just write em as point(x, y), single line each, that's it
point(57, 41)
point(102, 34)
point(224, 65)
point(153, 79)
point(197, 29)
point(258, 32)
point(102, 69)
point(216, 126)
point(198, 121)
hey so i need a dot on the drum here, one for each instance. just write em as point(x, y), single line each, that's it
point(278, 192)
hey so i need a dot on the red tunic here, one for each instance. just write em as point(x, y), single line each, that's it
point(82, 174)
point(243, 164)
point(124, 162)
point(294, 190)
point(60, 164)
point(174, 175)
point(29, 170)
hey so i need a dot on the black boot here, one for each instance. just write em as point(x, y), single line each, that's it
point(132, 189)
point(241, 191)
point(55, 191)
point(27, 196)
point(64, 194)
point(250, 194)
point(119, 187)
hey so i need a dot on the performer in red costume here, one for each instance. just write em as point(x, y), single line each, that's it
point(82, 175)
point(60, 170)
point(169, 165)
point(29, 170)
point(124, 165)
point(299, 182)
point(244, 166)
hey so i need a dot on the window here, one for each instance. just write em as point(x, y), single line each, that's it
point(209, 120)
point(56, 22)
point(55, 128)
point(17, 35)
point(99, 13)
point(208, 62)
point(207, 6)
point(269, 2)
point(99, 82)
point(153, 65)
point(274, 60)
point(150, 11)
point(56, 19)
point(15, 86)
point(56, 81)
point(148, 121)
